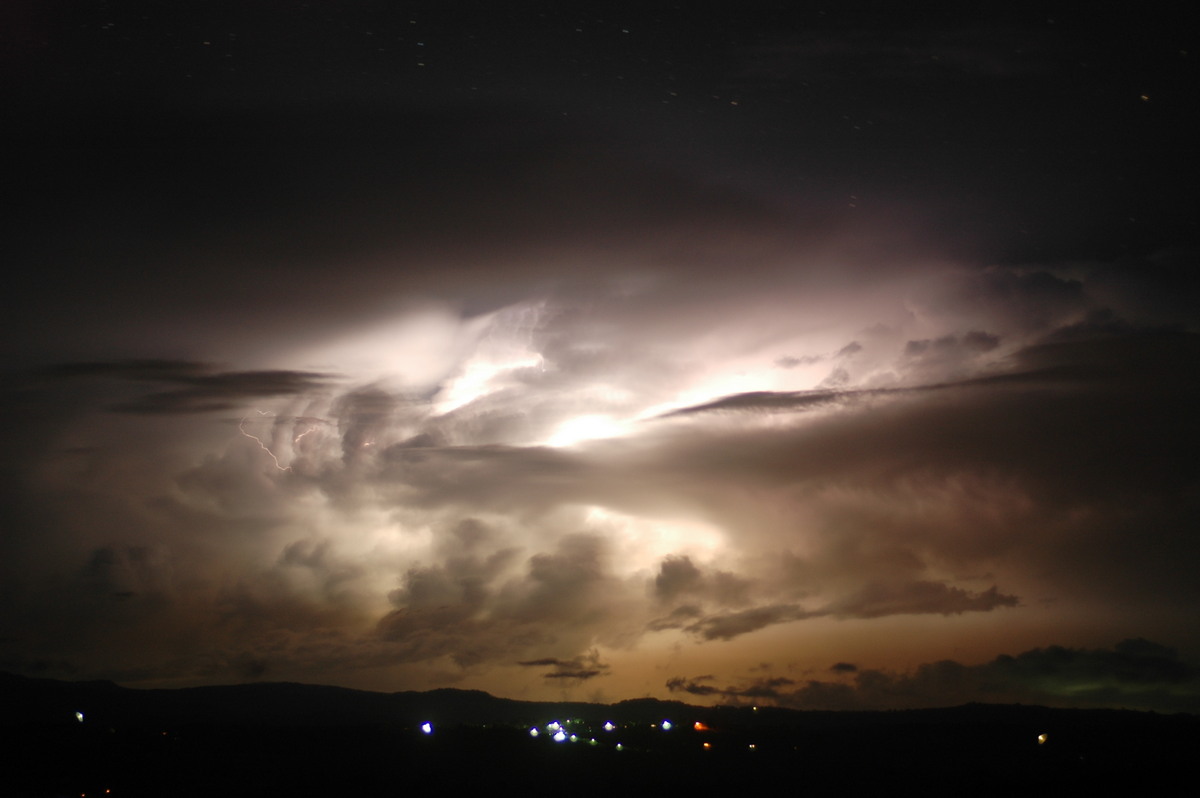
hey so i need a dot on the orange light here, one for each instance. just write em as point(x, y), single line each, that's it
point(698, 726)
point(707, 745)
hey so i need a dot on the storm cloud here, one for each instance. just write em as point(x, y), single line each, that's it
point(686, 344)
point(378, 525)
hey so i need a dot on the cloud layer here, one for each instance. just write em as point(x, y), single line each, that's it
point(584, 473)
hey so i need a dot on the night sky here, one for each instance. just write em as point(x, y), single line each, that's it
point(828, 355)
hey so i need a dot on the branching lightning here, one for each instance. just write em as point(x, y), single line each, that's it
point(259, 441)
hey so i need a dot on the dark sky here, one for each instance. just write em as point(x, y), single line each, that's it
point(831, 356)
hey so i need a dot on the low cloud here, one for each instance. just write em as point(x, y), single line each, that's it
point(917, 598)
point(726, 626)
point(577, 669)
point(762, 688)
point(190, 387)
point(871, 601)
point(1135, 673)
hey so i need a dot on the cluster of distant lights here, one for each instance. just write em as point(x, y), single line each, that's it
point(559, 732)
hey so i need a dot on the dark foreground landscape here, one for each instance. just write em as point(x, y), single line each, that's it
point(300, 740)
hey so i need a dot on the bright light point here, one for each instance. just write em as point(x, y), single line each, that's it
point(574, 739)
point(585, 428)
point(534, 732)
point(698, 726)
point(79, 717)
point(707, 746)
point(554, 725)
point(620, 747)
point(1042, 739)
point(560, 736)
point(427, 728)
point(753, 746)
point(666, 724)
point(592, 741)
point(608, 725)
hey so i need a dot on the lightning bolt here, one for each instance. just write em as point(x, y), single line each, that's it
point(311, 427)
point(259, 441)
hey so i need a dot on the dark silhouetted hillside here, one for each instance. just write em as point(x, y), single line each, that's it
point(301, 740)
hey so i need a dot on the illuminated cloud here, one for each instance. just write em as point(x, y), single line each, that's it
point(374, 528)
